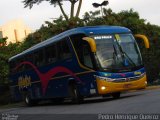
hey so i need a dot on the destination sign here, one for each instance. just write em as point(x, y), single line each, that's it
point(103, 37)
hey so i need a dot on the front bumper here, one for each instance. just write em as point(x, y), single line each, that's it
point(105, 87)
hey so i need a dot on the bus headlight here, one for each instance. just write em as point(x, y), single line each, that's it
point(103, 88)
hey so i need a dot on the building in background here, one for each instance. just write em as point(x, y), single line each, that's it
point(1, 36)
point(15, 31)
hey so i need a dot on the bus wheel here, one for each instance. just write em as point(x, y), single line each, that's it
point(116, 95)
point(75, 95)
point(28, 101)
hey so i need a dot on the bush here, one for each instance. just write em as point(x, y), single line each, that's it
point(4, 94)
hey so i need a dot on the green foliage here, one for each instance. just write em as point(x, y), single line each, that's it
point(3, 41)
point(30, 3)
point(5, 53)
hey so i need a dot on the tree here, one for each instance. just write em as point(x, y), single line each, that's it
point(30, 3)
point(5, 53)
point(3, 41)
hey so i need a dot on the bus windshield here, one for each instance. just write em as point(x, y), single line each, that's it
point(119, 51)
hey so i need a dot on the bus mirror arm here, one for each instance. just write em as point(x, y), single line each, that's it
point(144, 38)
point(91, 42)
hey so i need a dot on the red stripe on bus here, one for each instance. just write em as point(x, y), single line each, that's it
point(45, 77)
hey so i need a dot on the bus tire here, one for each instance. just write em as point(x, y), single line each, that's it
point(28, 101)
point(75, 95)
point(116, 95)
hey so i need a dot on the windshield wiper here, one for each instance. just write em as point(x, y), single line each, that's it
point(115, 51)
point(123, 53)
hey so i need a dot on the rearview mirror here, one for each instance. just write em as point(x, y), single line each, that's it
point(91, 42)
point(144, 38)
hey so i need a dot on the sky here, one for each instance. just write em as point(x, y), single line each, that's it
point(35, 17)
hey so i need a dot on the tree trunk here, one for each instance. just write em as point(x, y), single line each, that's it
point(79, 8)
point(72, 9)
point(64, 14)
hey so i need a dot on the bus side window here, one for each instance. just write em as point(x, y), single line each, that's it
point(28, 58)
point(39, 58)
point(64, 49)
point(51, 53)
point(19, 69)
point(22, 67)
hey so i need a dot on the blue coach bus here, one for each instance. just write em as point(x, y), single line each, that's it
point(79, 63)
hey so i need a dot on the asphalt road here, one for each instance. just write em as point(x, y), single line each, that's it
point(139, 102)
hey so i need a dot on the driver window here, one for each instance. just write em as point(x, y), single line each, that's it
point(87, 56)
point(82, 49)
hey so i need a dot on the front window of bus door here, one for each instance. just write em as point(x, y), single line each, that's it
point(87, 61)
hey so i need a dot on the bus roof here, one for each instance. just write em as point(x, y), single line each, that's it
point(88, 30)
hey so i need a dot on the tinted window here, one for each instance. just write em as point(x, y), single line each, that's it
point(29, 58)
point(39, 58)
point(16, 63)
point(87, 61)
point(77, 42)
point(82, 49)
point(51, 53)
point(63, 49)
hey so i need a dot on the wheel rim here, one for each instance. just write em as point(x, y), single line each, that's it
point(27, 100)
point(75, 93)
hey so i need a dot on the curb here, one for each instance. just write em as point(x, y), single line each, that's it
point(152, 87)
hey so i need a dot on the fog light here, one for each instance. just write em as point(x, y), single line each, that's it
point(146, 82)
point(103, 88)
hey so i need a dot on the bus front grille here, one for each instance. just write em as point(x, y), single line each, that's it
point(129, 79)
